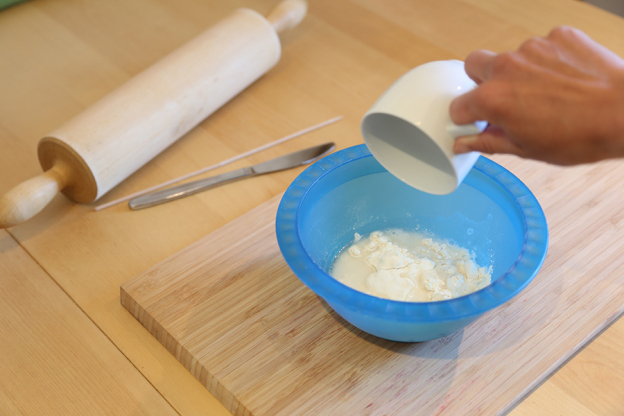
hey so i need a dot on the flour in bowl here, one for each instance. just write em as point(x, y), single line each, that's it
point(409, 266)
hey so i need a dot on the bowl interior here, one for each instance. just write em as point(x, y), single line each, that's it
point(361, 196)
point(492, 213)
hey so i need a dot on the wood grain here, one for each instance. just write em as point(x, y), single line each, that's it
point(65, 55)
point(53, 359)
point(231, 311)
point(589, 384)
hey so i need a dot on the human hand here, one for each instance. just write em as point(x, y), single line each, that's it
point(558, 99)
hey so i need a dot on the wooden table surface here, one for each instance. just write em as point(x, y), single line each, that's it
point(67, 346)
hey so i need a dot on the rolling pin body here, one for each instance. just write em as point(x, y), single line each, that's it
point(103, 145)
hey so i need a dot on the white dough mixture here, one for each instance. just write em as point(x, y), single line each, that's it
point(409, 266)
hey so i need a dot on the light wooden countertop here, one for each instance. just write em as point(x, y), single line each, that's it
point(67, 346)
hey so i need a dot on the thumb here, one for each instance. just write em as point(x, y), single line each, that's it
point(492, 140)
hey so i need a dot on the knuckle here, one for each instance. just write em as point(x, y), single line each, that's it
point(481, 97)
point(563, 32)
point(532, 44)
point(537, 48)
point(564, 36)
point(487, 146)
point(495, 100)
point(486, 142)
point(505, 62)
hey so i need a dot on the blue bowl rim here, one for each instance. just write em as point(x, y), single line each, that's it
point(504, 288)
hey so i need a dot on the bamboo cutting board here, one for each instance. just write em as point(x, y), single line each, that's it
point(231, 311)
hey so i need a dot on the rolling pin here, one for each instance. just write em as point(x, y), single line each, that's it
point(100, 147)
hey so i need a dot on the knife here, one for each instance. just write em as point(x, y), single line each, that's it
point(292, 160)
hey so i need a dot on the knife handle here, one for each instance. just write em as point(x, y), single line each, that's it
point(191, 188)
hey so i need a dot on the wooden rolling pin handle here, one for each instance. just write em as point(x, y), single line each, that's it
point(28, 198)
point(287, 14)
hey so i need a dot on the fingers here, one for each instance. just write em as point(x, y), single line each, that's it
point(581, 49)
point(492, 140)
point(465, 109)
point(571, 37)
point(479, 65)
point(539, 50)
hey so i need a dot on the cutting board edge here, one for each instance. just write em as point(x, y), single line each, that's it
point(199, 371)
point(172, 345)
point(177, 351)
point(563, 360)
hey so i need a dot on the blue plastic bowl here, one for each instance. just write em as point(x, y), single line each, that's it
point(492, 213)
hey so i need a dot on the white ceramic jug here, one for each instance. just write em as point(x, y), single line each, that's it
point(410, 132)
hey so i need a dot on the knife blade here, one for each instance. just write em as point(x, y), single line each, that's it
point(291, 160)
